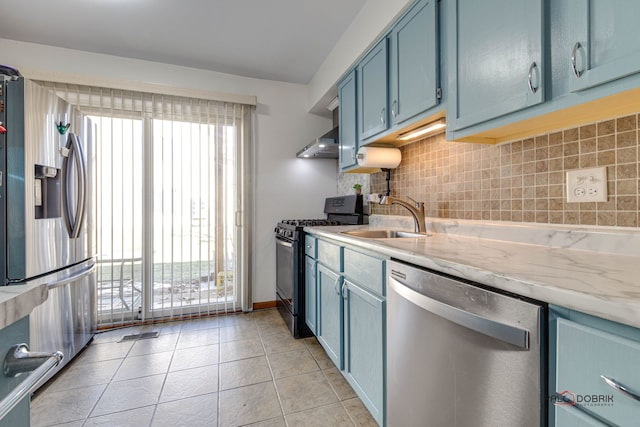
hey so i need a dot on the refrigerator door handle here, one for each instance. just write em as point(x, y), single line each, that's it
point(80, 214)
point(78, 275)
point(75, 154)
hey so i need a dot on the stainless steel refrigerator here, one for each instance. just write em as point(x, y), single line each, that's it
point(47, 212)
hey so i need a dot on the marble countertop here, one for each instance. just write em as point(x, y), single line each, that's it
point(17, 301)
point(565, 266)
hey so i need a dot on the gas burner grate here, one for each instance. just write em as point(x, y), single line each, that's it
point(309, 222)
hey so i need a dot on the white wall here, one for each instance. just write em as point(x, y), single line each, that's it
point(375, 17)
point(285, 186)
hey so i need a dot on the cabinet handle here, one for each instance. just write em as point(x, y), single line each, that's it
point(622, 389)
point(335, 286)
point(393, 108)
point(18, 360)
point(344, 290)
point(574, 66)
point(382, 115)
point(532, 67)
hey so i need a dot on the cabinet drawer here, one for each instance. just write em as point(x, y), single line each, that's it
point(310, 246)
point(366, 270)
point(583, 355)
point(330, 255)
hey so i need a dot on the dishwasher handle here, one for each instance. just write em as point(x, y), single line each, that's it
point(510, 334)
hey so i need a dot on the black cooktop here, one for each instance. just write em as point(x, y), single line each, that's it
point(308, 222)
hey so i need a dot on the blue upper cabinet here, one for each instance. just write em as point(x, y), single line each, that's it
point(373, 75)
point(397, 84)
point(414, 68)
point(495, 59)
point(348, 120)
point(605, 44)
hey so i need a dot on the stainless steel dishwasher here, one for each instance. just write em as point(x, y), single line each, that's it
point(459, 355)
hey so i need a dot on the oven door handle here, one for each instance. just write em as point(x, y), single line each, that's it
point(284, 242)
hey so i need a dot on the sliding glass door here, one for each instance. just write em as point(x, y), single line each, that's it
point(172, 181)
point(194, 202)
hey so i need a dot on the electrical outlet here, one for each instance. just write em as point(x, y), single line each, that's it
point(587, 185)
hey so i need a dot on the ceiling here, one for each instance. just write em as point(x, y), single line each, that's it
point(283, 40)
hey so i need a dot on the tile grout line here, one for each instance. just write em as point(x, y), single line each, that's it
point(166, 375)
point(273, 378)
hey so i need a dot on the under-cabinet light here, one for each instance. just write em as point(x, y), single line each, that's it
point(428, 128)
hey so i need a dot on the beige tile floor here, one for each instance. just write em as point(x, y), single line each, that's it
point(234, 370)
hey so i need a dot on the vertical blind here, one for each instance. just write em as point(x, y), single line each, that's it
point(172, 193)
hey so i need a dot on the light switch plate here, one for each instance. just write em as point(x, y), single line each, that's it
point(587, 185)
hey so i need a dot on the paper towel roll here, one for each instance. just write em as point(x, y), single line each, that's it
point(379, 157)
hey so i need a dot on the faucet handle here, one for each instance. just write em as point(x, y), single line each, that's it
point(415, 202)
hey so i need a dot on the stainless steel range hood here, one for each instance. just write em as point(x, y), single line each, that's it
point(324, 147)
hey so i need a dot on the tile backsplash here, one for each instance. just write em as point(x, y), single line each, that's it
point(346, 181)
point(522, 181)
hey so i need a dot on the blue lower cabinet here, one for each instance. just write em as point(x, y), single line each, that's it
point(593, 357)
point(350, 318)
point(364, 341)
point(310, 294)
point(329, 327)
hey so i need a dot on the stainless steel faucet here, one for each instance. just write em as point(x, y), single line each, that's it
point(416, 209)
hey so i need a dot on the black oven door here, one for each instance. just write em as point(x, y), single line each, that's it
point(287, 273)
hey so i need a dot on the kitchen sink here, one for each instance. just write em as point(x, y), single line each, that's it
point(383, 234)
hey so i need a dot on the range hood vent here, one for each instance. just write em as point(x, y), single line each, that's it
point(325, 147)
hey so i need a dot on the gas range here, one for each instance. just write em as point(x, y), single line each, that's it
point(290, 256)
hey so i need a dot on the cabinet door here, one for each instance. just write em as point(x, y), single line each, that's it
point(606, 46)
point(364, 319)
point(583, 354)
point(372, 91)
point(329, 326)
point(496, 52)
point(414, 61)
point(348, 121)
point(310, 295)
